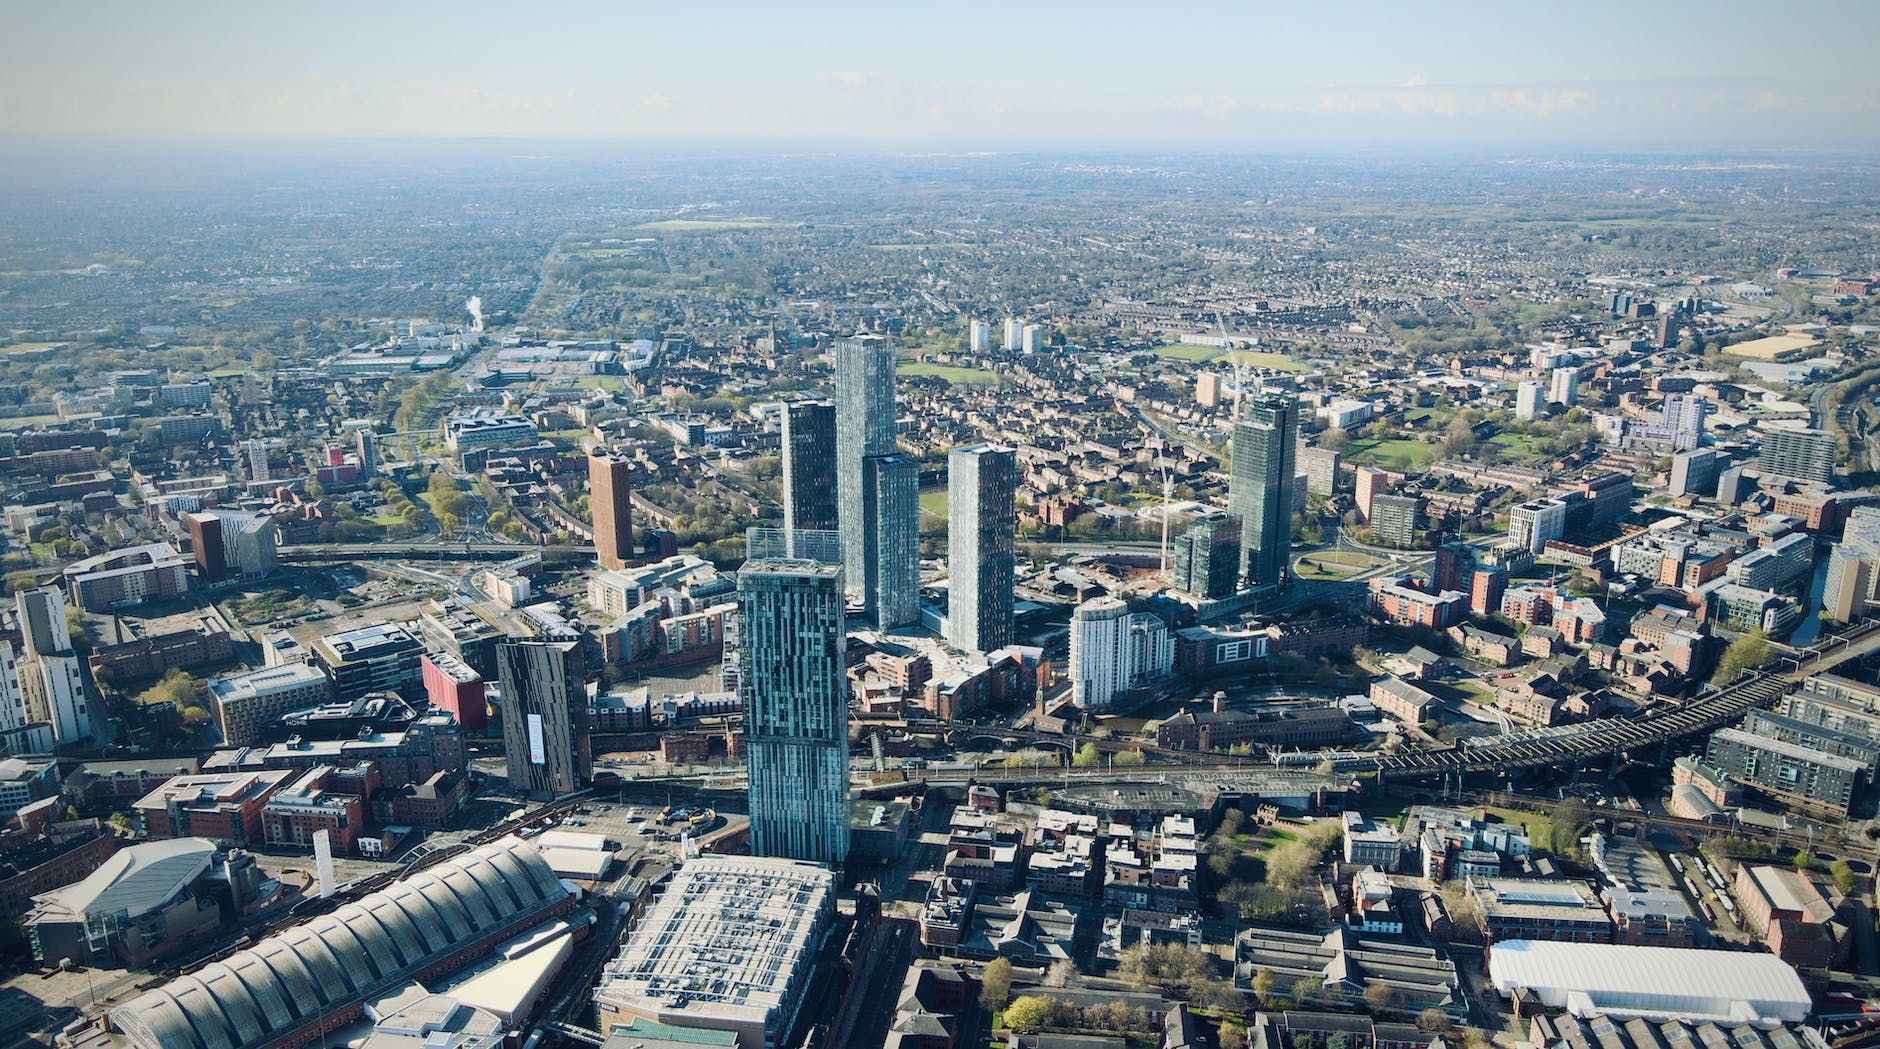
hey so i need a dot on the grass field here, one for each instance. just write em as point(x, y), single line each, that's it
point(962, 376)
point(1186, 351)
point(1540, 827)
point(703, 225)
point(1336, 564)
point(1368, 451)
point(933, 510)
point(1522, 446)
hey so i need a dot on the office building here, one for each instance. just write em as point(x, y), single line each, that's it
point(544, 704)
point(382, 657)
point(1695, 472)
point(982, 522)
point(610, 504)
point(1530, 401)
point(1394, 520)
point(1564, 388)
point(1206, 558)
point(1533, 523)
point(748, 928)
point(809, 466)
point(247, 706)
point(1797, 454)
point(1610, 495)
point(795, 697)
point(891, 542)
point(1260, 487)
point(1114, 651)
point(1733, 485)
point(139, 905)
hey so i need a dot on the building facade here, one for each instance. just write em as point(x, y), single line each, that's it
point(796, 709)
point(1260, 486)
point(809, 466)
point(610, 504)
point(982, 522)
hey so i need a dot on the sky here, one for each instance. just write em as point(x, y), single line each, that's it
point(1663, 74)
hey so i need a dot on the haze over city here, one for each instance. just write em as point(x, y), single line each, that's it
point(1043, 526)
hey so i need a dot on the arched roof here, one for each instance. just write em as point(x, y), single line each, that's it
point(360, 948)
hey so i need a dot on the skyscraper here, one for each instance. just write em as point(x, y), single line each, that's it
point(545, 726)
point(891, 541)
point(877, 490)
point(864, 428)
point(979, 339)
point(982, 523)
point(1260, 488)
point(796, 709)
point(1206, 560)
point(610, 504)
point(1114, 650)
point(809, 466)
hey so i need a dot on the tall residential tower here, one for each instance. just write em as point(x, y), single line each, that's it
point(877, 490)
point(809, 466)
point(1260, 487)
point(610, 504)
point(796, 709)
point(982, 523)
point(545, 726)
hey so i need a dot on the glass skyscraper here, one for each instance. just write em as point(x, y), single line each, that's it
point(796, 709)
point(877, 490)
point(982, 525)
point(1207, 556)
point(809, 466)
point(1260, 486)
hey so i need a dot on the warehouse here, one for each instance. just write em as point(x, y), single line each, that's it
point(1660, 983)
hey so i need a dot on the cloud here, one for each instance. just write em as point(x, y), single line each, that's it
point(853, 80)
point(1416, 80)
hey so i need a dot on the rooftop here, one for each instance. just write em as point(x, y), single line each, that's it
point(136, 879)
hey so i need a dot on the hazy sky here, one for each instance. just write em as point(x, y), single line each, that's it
point(1014, 73)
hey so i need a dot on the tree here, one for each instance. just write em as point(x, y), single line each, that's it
point(1087, 756)
point(1843, 876)
point(1062, 973)
point(1127, 757)
point(1262, 985)
point(1030, 1012)
point(1433, 1021)
point(1804, 860)
point(1304, 989)
point(1334, 439)
point(995, 984)
point(1381, 997)
point(1745, 653)
point(1570, 818)
point(1232, 1035)
point(314, 491)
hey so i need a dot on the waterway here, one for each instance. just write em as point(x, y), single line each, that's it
point(1810, 626)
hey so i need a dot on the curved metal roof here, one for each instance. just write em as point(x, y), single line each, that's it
point(254, 996)
point(136, 879)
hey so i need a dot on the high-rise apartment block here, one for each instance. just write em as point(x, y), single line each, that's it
point(1260, 486)
point(809, 466)
point(545, 727)
point(1530, 400)
point(1394, 520)
point(980, 337)
point(878, 491)
point(1798, 454)
point(1319, 466)
point(796, 711)
point(1114, 650)
point(982, 523)
point(610, 504)
point(1564, 388)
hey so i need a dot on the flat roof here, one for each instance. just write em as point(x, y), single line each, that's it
point(724, 942)
point(1666, 982)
